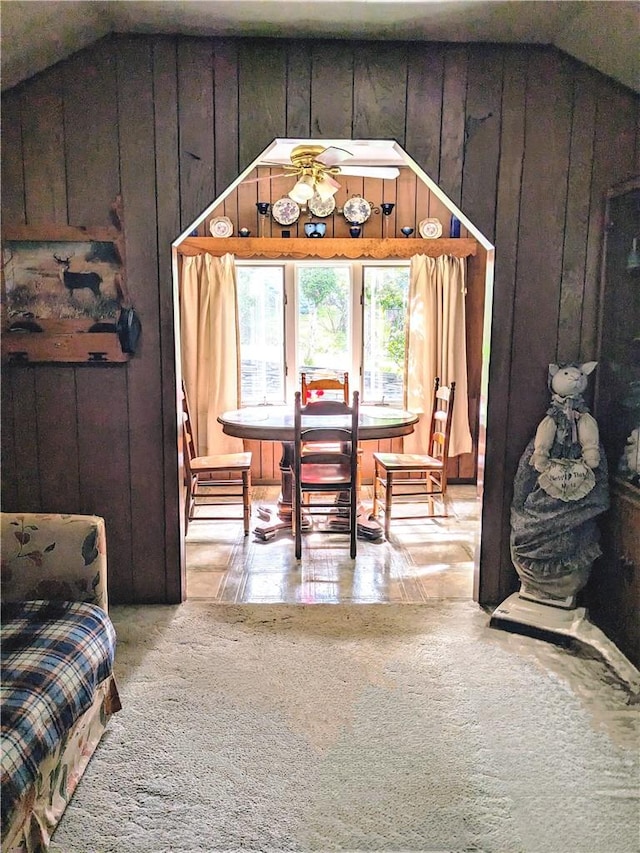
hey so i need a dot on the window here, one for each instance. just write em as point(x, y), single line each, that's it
point(324, 315)
point(386, 290)
point(261, 321)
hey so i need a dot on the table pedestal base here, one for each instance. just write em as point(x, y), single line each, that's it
point(272, 521)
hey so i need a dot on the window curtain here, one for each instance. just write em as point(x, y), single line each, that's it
point(436, 346)
point(210, 344)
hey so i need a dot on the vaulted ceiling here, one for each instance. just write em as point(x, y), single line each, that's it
point(605, 35)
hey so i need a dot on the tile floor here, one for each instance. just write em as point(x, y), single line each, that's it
point(424, 559)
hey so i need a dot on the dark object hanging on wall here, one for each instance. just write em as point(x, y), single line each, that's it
point(129, 329)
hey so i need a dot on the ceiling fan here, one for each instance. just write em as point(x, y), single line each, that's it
point(316, 168)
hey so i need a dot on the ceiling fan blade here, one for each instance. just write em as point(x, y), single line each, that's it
point(332, 155)
point(370, 171)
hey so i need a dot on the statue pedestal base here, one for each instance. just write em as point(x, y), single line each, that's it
point(567, 603)
point(524, 609)
point(565, 627)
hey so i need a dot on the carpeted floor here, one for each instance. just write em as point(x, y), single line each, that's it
point(355, 728)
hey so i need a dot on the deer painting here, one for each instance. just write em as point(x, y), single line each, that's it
point(77, 280)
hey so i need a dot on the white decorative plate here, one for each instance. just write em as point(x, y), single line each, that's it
point(321, 208)
point(221, 226)
point(430, 228)
point(356, 210)
point(285, 211)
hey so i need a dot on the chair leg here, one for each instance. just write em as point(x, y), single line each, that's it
point(297, 520)
point(388, 494)
point(246, 500)
point(190, 502)
point(353, 527)
point(376, 475)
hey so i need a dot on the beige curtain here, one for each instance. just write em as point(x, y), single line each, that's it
point(210, 345)
point(436, 346)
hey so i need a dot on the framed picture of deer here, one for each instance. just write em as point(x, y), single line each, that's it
point(62, 278)
point(60, 282)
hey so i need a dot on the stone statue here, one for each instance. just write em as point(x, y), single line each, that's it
point(560, 488)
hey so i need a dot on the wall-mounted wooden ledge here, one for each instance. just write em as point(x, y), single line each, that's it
point(328, 247)
point(66, 341)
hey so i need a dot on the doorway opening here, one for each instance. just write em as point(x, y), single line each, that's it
point(425, 558)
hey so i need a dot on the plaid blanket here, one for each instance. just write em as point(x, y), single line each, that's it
point(54, 654)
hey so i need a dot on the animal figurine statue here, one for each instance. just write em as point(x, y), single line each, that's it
point(560, 487)
point(566, 445)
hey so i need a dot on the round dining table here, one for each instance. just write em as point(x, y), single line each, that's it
point(275, 423)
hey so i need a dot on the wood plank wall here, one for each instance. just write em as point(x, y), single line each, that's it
point(525, 140)
point(412, 199)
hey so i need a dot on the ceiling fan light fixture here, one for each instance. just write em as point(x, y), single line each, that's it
point(326, 187)
point(303, 189)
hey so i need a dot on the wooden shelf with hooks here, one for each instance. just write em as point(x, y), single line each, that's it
point(66, 341)
point(328, 247)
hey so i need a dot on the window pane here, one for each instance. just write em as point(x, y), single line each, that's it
point(324, 317)
point(386, 291)
point(261, 320)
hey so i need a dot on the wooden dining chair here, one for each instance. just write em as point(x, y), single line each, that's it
point(417, 477)
point(314, 385)
point(218, 480)
point(320, 472)
point(317, 383)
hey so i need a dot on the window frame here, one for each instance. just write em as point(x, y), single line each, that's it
point(290, 320)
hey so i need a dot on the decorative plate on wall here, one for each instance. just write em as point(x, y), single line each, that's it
point(430, 228)
point(285, 211)
point(221, 226)
point(356, 210)
point(321, 208)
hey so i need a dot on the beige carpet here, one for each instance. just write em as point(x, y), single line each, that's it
point(355, 728)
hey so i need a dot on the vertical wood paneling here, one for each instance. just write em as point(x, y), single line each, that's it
point(93, 181)
point(168, 225)
point(196, 129)
point(544, 186)
point(105, 478)
point(331, 90)
point(484, 94)
point(379, 91)
point(91, 135)
point(425, 81)
point(144, 386)
point(572, 292)
point(494, 547)
point(263, 89)
point(11, 162)
point(453, 122)
point(480, 175)
point(13, 211)
point(58, 465)
point(25, 430)
point(298, 88)
point(225, 115)
point(372, 191)
point(8, 471)
point(43, 133)
point(544, 180)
